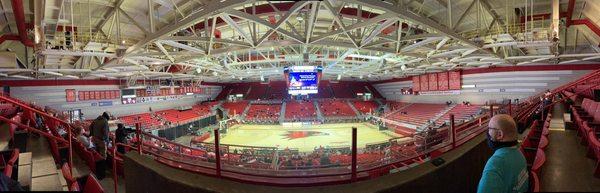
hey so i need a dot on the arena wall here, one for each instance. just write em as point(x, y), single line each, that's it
point(485, 86)
point(55, 97)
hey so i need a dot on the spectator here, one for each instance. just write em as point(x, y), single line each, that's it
point(506, 170)
point(121, 136)
point(99, 131)
point(78, 133)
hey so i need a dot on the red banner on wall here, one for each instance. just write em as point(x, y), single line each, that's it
point(454, 80)
point(416, 83)
point(433, 82)
point(70, 95)
point(443, 81)
point(424, 83)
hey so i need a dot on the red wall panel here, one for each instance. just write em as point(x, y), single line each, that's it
point(454, 80)
point(443, 81)
point(424, 83)
point(433, 81)
point(416, 83)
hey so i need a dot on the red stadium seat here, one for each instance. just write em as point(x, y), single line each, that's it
point(92, 185)
point(534, 182)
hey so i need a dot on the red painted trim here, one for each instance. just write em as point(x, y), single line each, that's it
point(19, 13)
point(570, 10)
point(589, 24)
point(20, 83)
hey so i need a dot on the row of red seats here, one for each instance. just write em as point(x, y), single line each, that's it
point(277, 90)
point(295, 109)
point(9, 165)
point(533, 147)
point(92, 185)
point(342, 91)
point(146, 120)
point(393, 105)
point(461, 112)
point(335, 107)
point(235, 108)
point(263, 112)
point(587, 119)
point(417, 114)
point(176, 116)
point(366, 106)
point(257, 91)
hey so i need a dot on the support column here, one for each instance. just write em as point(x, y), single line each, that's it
point(354, 154)
point(217, 153)
point(453, 130)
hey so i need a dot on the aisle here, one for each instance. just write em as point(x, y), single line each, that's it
point(567, 168)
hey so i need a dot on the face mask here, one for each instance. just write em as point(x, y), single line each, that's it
point(499, 144)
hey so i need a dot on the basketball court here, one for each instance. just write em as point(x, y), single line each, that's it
point(304, 138)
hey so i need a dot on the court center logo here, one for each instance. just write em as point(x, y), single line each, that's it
point(289, 135)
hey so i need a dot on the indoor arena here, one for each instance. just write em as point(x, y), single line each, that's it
point(300, 96)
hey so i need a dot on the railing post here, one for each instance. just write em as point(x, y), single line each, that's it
point(353, 178)
point(491, 110)
point(217, 153)
point(510, 107)
point(114, 163)
point(453, 130)
point(138, 130)
point(68, 127)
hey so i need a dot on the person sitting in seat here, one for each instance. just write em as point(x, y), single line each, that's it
point(78, 133)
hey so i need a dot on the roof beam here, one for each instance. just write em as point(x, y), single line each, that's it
point(182, 46)
point(459, 21)
point(235, 26)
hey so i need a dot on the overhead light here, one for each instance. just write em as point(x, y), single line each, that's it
point(361, 77)
point(2, 74)
point(198, 70)
point(403, 67)
point(262, 78)
point(468, 86)
point(299, 17)
point(339, 76)
point(123, 42)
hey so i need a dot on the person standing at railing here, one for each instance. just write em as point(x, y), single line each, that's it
point(99, 131)
point(506, 170)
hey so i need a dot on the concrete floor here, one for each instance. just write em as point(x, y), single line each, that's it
point(567, 168)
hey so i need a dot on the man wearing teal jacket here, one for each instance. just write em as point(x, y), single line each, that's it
point(506, 170)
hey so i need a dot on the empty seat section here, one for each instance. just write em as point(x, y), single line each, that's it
point(341, 90)
point(146, 120)
point(461, 113)
point(277, 90)
point(417, 114)
point(299, 110)
point(263, 112)
point(366, 106)
point(257, 91)
point(235, 108)
point(333, 107)
point(176, 116)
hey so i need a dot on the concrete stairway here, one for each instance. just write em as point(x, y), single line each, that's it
point(318, 111)
point(439, 115)
point(245, 112)
point(282, 113)
point(358, 113)
point(44, 174)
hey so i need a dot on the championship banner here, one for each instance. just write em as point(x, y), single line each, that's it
point(433, 82)
point(70, 95)
point(443, 81)
point(424, 83)
point(454, 80)
point(416, 83)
